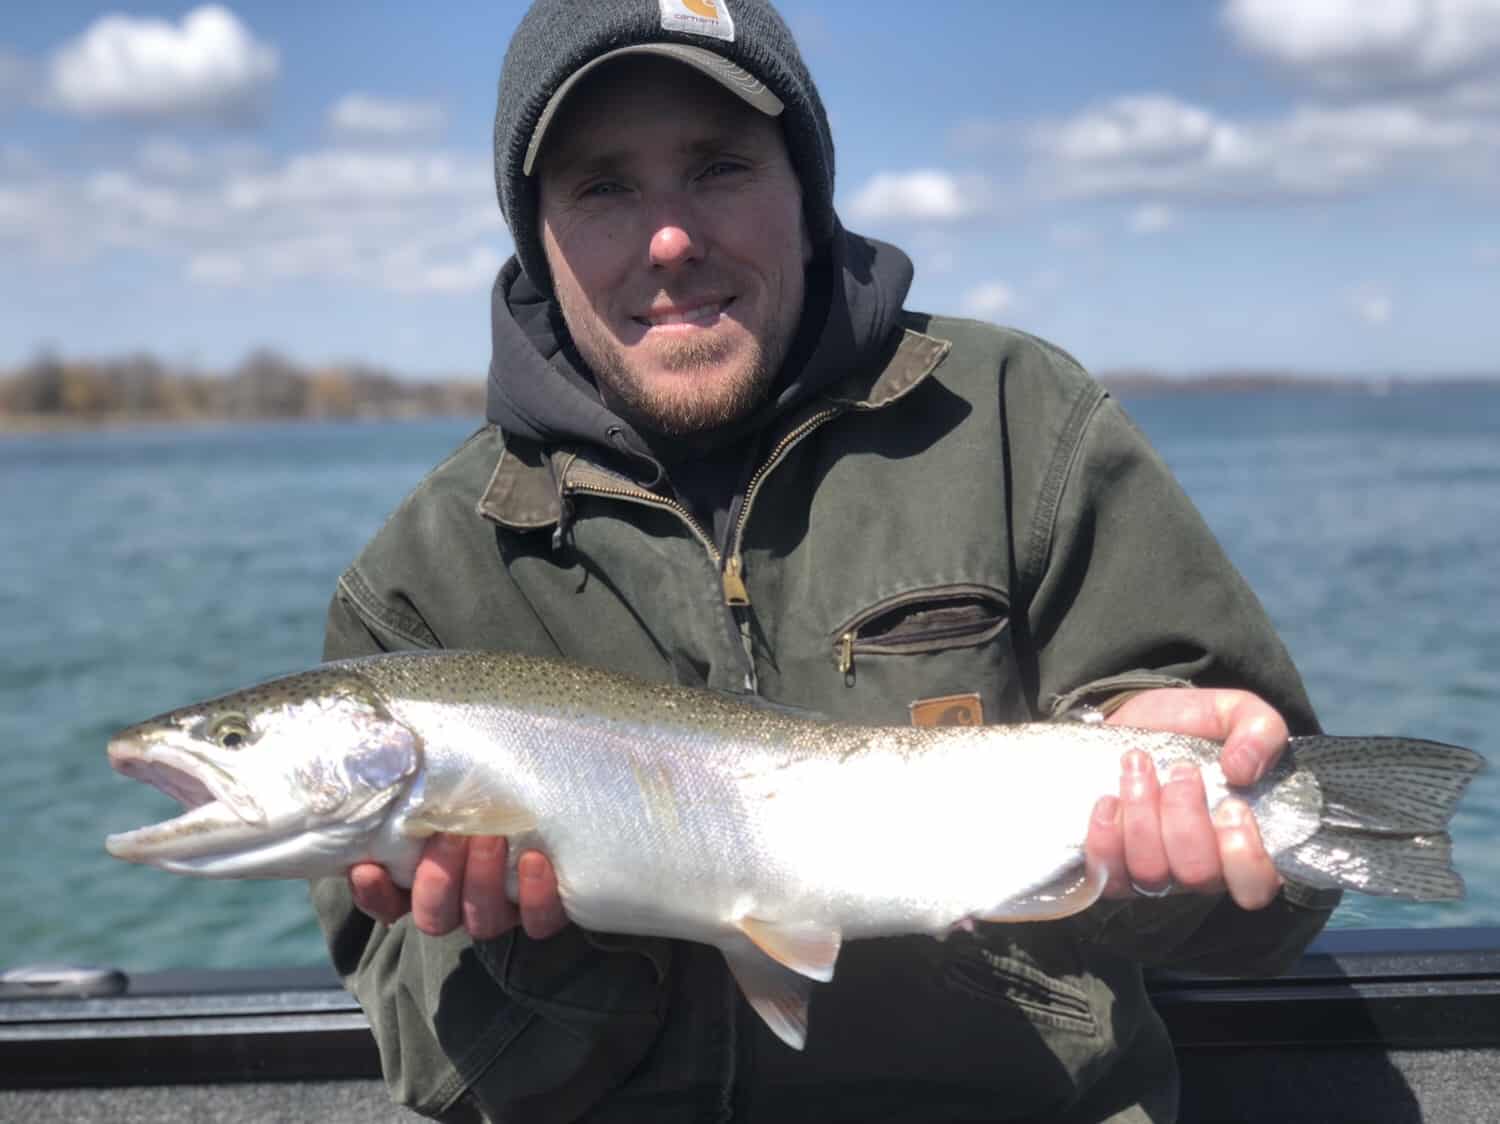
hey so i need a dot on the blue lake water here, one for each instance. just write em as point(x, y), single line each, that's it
point(142, 569)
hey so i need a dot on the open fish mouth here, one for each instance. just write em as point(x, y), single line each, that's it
point(181, 785)
point(218, 814)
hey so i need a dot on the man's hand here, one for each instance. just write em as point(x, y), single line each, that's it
point(1157, 835)
point(460, 880)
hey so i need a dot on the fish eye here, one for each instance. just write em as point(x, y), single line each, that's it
point(230, 731)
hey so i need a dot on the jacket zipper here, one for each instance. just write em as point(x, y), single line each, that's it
point(651, 499)
point(733, 565)
point(654, 500)
point(730, 563)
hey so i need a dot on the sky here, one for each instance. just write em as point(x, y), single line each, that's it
point(1180, 185)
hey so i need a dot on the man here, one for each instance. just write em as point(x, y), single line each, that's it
point(721, 452)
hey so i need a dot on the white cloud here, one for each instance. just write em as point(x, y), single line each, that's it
point(989, 300)
point(139, 210)
point(209, 66)
point(422, 220)
point(925, 195)
point(1369, 45)
point(1158, 146)
point(1372, 305)
point(363, 115)
point(1152, 218)
point(1139, 126)
point(464, 271)
point(342, 175)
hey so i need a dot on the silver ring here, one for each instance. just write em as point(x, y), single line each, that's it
point(1145, 893)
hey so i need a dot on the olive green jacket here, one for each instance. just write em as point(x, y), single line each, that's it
point(972, 530)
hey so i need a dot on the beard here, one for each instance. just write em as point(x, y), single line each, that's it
point(698, 394)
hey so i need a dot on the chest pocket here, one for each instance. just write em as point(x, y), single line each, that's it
point(938, 643)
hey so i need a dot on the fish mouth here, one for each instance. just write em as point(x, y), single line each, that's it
point(218, 814)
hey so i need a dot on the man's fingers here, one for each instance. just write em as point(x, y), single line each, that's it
point(376, 895)
point(461, 881)
point(1105, 847)
point(1140, 814)
point(435, 888)
point(487, 912)
point(1249, 874)
point(541, 909)
point(1253, 732)
point(1188, 834)
point(1254, 737)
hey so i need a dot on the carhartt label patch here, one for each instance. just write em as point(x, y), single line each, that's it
point(698, 17)
point(950, 710)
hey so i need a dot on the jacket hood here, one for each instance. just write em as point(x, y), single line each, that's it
point(540, 389)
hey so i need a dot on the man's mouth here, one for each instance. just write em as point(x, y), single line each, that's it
point(697, 314)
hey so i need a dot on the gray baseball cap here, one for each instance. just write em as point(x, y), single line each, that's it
point(736, 79)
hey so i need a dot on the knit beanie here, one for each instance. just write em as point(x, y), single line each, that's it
point(558, 38)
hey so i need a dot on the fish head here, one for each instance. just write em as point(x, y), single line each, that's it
point(288, 779)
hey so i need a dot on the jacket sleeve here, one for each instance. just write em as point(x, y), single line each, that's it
point(1131, 589)
point(502, 1029)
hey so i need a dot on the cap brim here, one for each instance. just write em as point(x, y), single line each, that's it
point(736, 79)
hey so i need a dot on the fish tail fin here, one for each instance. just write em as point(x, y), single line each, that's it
point(1386, 807)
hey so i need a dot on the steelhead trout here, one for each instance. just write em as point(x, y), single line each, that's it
point(680, 812)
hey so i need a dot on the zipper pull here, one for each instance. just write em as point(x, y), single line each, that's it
point(564, 518)
point(846, 654)
point(735, 592)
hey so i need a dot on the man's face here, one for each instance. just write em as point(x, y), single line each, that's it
point(672, 223)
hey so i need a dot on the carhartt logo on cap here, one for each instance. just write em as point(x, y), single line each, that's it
point(698, 17)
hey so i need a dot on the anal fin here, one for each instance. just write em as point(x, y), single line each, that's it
point(805, 947)
point(778, 995)
point(1072, 891)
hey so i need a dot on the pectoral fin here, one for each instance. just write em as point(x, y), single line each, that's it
point(1072, 891)
point(805, 947)
point(490, 819)
point(469, 808)
point(778, 995)
point(486, 817)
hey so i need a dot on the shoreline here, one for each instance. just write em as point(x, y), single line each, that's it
point(1122, 384)
point(46, 425)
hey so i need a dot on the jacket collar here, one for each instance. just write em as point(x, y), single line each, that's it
point(524, 491)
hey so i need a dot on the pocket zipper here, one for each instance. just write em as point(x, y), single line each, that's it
point(919, 639)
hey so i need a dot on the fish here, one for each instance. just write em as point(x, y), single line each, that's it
point(689, 813)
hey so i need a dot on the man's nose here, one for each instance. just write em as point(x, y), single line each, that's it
point(675, 239)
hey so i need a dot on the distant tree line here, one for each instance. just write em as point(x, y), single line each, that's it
point(266, 385)
point(53, 391)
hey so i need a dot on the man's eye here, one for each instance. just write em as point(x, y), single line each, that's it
point(722, 168)
point(604, 187)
